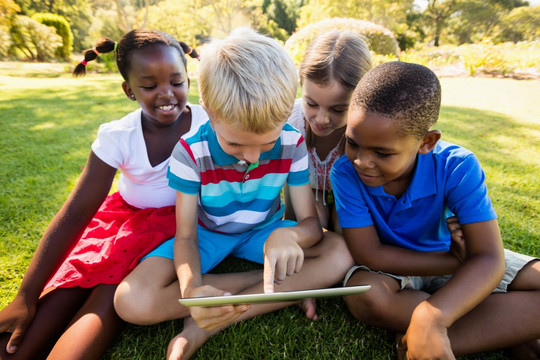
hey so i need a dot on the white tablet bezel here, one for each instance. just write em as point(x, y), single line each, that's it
point(273, 297)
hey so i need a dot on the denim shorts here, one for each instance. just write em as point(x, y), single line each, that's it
point(214, 247)
point(514, 262)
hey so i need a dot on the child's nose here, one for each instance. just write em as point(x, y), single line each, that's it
point(251, 155)
point(322, 116)
point(166, 92)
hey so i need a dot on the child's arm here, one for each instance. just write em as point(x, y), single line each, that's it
point(67, 226)
point(187, 262)
point(283, 254)
point(480, 273)
point(366, 249)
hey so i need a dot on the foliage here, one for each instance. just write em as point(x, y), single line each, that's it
point(521, 24)
point(33, 40)
point(380, 40)
point(62, 28)
point(485, 58)
point(176, 18)
point(5, 41)
point(284, 13)
point(389, 13)
point(8, 8)
point(77, 12)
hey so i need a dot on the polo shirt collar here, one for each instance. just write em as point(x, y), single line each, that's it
point(221, 158)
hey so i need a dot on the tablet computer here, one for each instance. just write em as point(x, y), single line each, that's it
point(273, 297)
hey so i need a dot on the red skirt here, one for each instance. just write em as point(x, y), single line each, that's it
point(114, 242)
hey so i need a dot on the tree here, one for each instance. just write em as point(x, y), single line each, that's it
point(477, 20)
point(521, 24)
point(77, 12)
point(283, 12)
point(388, 13)
point(7, 9)
point(437, 13)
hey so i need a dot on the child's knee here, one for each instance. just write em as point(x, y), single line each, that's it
point(336, 249)
point(134, 303)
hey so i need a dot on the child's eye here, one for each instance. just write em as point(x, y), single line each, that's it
point(339, 111)
point(350, 142)
point(382, 155)
point(178, 84)
point(151, 87)
point(310, 104)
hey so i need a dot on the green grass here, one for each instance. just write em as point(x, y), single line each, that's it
point(48, 121)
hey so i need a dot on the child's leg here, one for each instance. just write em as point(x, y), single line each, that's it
point(93, 328)
point(500, 321)
point(325, 265)
point(384, 305)
point(55, 310)
point(504, 319)
point(150, 293)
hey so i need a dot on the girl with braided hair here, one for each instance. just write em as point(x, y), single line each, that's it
point(64, 306)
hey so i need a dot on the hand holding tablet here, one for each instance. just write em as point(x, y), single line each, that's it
point(272, 297)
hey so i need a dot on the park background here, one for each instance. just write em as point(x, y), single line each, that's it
point(486, 53)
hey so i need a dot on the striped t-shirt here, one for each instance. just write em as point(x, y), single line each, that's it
point(235, 197)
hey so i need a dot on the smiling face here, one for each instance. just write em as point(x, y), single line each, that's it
point(379, 153)
point(325, 106)
point(159, 83)
point(244, 145)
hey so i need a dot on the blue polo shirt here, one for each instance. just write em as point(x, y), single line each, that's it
point(235, 197)
point(446, 181)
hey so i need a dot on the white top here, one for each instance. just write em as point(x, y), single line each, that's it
point(120, 144)
point(319, 170)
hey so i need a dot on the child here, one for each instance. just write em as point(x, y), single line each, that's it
point(332, 66)
point(228, 178)
point(394, 190)
point(95, 240)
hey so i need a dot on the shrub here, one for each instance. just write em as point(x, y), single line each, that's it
point(62, 28)
point(33, 40)
point(5, 41)
point(380, 39)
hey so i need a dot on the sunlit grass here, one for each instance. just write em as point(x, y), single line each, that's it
point(48, 124)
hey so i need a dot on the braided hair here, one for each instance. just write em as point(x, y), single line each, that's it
point(130, 42)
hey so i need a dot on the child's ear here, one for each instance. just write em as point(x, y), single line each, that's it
point(127, 91)
point(429, 141)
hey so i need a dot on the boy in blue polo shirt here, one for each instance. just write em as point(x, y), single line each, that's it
point(394, 190)
point(228, 177)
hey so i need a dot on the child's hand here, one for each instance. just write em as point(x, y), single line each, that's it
point(457, 244)
point(282, 256)
point(213, 317)
point(15, 318)
point(425, 337)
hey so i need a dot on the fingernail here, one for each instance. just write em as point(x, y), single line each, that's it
point(12, 349)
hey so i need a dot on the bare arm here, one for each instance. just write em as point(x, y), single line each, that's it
point(309, 229)
point(283, 254)
point(187, 261)
point(59, 238)
point(480, 273)
point(366, 249)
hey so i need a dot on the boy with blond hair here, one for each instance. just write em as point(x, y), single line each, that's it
point(228, 178)
point(394, 191)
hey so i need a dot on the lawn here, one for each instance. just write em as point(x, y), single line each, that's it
point(49, 120)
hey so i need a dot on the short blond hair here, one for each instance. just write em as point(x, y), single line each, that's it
point(247, 80)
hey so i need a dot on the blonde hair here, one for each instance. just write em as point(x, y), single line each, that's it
point(247, 80)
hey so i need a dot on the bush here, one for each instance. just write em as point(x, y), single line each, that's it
point(380, 40)
point(5, 41)
point(62, 28)
point(33, 40)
